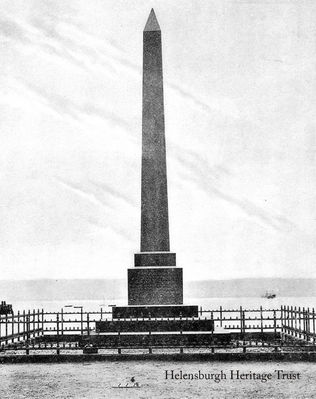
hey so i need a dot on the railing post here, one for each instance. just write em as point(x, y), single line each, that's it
point(43, 322)
point(314, 332)
point(88, 322)
point(18, 325)
point(275, 325)
point(243, 330)
point(284, 323)
point(24, 325)
point(149, 335)
point(303, 322)
point(242, 323)
point(34, 323)
point(27, 351)
point(12, 327)
point(241, 326)
point(28, 322)
point(62, 322)
point(281, 321)
point(286, 319)
point(6, 328)
point(38, 322)
point(213, 323)
point(261, 319)
point(295, 321)
point(299, 322)
point(221, 316)
point(32, 318)
point(308, 325)
point(57, 327)
point(292, 319)
point(81, 321)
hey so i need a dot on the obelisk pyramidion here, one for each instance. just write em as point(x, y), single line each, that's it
point(155, 285)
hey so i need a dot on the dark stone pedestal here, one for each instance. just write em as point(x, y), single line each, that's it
point(127, 312)
point(155, 286)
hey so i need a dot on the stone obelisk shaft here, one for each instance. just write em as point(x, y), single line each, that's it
point(154, 198)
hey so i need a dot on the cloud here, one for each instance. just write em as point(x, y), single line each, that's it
point(83, 192)
point(106, 188)
point(223, 105)
point(70, 42)
point(206, 178)
point(13, 31)
point(71, 46)
point(122, 233)
point(65, 106)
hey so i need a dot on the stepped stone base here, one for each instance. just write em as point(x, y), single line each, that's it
point(127, 312)
point(154, 325)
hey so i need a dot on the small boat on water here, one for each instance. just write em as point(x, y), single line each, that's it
point(269, 295)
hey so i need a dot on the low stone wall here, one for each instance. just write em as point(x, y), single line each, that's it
point(228, 357)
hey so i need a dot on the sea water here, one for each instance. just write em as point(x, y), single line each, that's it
point(205, 303)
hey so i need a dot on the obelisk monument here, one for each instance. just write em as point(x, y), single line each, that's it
point(155, 284)
point(155, 280)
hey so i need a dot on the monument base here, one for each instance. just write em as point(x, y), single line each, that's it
point(152, 311)
point(155, 286)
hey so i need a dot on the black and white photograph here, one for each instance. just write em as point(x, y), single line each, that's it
point(158, 199)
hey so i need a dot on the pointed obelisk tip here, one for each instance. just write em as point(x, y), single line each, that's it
point(152, 23)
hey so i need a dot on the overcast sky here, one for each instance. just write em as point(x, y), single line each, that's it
point(240, 97)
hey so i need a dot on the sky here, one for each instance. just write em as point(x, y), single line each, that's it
point(240, 97)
